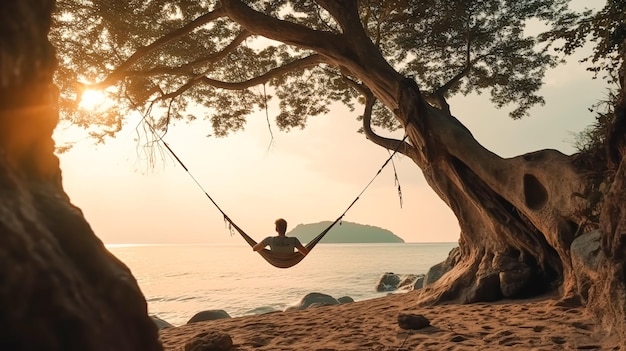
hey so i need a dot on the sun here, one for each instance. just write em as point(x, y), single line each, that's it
point(91, 99)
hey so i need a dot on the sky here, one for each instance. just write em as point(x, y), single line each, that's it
point(304, 176)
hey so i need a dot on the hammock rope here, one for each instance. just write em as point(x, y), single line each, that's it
point(282, 260)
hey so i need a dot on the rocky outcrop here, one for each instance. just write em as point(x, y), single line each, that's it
point(61, 289)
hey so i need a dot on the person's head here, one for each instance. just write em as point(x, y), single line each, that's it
point(281, 226)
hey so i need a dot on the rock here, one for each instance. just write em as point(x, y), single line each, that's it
point(160, 323)
point(345, 299)
point(516, 283)
point(419, 282)
point(410, 282)
point(208, 315)
point(586, 254)
point(485, 289)
point(314, 298)
point(517, 276)
point(388, 282)
point(406, 282)
point(437, 271)
point(412, 321)
point(210, 341)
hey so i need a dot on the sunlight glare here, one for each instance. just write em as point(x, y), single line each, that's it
point(91, 99)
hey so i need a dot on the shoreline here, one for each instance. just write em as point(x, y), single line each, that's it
point(275, 307)
point(371, 325)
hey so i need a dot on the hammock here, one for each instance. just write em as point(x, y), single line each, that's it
point(286, 260)
point(281, 260)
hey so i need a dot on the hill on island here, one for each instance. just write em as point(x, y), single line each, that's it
point(344, 232)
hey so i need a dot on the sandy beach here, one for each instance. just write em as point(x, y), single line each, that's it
point(372, 325)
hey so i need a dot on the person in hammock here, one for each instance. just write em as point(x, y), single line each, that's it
point(281, 244)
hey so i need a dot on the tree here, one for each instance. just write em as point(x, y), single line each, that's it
point(61, 289)
point(607, 29)
point(403, 59)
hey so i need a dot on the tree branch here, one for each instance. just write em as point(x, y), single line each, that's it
point(305, 62)
point(186, 69)
point(287, 32)
point(388, 143)
point(346, 13)
point(120, 71)
point(309, 61)
point(355, 53)
point(443, 90)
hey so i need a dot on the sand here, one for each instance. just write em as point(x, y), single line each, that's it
point(372, 325)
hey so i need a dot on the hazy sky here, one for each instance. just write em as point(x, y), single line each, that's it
point(304, 176)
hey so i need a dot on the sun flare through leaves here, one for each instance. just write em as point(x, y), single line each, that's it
point(92, 100)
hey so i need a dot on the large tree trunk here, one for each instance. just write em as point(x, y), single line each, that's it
point(518, 216)
point(61, 289)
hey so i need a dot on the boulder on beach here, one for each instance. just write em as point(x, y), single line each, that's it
point(210, 341)
point(209, 315)
point(160, 323)
point(388, 282)
point(437, 271)
point(392, 281)
point(411, 282)
point(345, 299)
point(313, 299)
point(412, 321)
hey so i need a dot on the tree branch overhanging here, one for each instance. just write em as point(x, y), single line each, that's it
point(388, 143)
point(305, 62)
point(187, 69)
point(120, 71)
point(277, 29)
point(346, 13)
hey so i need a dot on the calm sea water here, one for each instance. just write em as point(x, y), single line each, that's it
point(180, 280)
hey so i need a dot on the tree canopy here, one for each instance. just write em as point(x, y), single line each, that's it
point(605, 28)
point(163, 57)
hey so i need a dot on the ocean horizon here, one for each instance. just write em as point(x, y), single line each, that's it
point(180, 280)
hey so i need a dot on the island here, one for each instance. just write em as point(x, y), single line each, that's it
point(344, 232)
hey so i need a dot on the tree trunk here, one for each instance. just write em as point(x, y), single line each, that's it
point(518, 216)
point(61, 289)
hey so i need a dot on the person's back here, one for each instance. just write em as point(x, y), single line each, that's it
point(281, 244)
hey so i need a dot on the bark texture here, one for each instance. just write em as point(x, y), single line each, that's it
point(608, 295)
point(60, 288)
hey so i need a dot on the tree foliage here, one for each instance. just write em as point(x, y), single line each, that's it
point(164, 57)
point(606, 29)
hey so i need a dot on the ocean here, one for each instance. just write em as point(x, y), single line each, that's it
point(180, 280)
